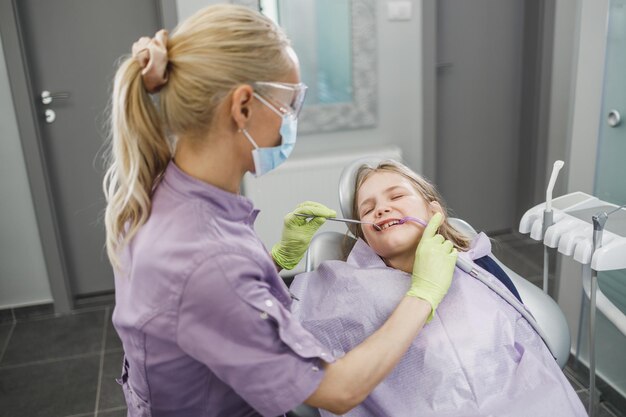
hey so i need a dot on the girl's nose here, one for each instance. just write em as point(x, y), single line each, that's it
point(382, 210)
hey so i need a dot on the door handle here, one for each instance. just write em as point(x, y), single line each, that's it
point(50, 116)
point(614, 119)
point(47, 97)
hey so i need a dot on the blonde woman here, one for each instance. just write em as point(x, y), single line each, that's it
point(477, 357)
point(202, 313)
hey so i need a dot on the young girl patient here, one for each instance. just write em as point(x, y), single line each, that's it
point(478, 356)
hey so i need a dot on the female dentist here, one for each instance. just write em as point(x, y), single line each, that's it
point(203, 316)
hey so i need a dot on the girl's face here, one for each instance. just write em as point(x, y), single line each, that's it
point(385, 197)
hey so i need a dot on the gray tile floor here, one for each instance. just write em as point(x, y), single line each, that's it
point(66, 366)
point(61, 366)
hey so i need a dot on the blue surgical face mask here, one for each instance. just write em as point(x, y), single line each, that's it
point(267, 159)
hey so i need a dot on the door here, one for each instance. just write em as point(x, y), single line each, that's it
point(479, 54)
point(71, 48)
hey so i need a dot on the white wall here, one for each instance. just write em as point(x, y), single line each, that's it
point(584, 134)
point(23, 276)
point(400, 105)
point(563, 83)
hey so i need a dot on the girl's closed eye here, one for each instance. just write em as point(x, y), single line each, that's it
point(366, 211)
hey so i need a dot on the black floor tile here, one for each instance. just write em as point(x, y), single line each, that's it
point(6, 316)
point(113, 413)
point(525, 256)
point(615, 402)
point(5, 330)
point(505, 238)
point(31, 312)
point(613, 411)
point(518, 262)
point(573, 379)
point(53, 389)
point(111, 395)
point(60, 337)
point(602, 409)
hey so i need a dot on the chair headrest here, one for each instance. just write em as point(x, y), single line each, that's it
point(347, 182)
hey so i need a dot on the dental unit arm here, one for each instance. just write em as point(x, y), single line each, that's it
point(548, 219)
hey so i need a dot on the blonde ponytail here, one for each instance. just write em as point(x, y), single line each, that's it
point(139, 153)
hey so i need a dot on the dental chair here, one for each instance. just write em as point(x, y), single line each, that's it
point(336, 246)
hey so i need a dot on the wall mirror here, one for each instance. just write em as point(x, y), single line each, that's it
point(336, 43)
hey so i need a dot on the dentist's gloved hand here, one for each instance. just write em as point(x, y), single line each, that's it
point(298, 232)
point(435, 259)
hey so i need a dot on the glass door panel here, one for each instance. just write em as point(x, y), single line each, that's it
point(610, 185)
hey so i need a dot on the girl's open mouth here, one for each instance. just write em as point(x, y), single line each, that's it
point(386, 224)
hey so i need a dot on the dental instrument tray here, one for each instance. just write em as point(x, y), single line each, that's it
point(572, 230)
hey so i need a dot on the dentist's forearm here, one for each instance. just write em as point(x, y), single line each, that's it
point(349, 380)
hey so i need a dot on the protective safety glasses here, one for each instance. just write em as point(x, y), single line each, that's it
point(284, 97)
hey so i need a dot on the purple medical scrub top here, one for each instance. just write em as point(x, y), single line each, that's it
point(203, 315)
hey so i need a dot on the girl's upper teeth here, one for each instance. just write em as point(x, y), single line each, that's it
point(391, 223)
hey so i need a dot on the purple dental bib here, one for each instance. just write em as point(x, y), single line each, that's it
point(477, 357)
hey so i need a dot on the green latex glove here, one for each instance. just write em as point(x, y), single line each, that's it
point(435, 259)
point(298, 232)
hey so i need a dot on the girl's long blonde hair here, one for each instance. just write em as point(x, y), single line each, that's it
point(209, 54)
point(422, 186)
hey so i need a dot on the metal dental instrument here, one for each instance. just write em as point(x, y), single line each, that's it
point(336, 219)
point(599, 221)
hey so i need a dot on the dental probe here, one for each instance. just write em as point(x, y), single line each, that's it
point(336, 219)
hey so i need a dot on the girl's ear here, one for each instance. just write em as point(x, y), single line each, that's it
point(435, 207)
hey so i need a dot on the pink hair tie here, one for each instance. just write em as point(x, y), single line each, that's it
point(151, 53)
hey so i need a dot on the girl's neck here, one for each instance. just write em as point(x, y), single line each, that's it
point(402, 262)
